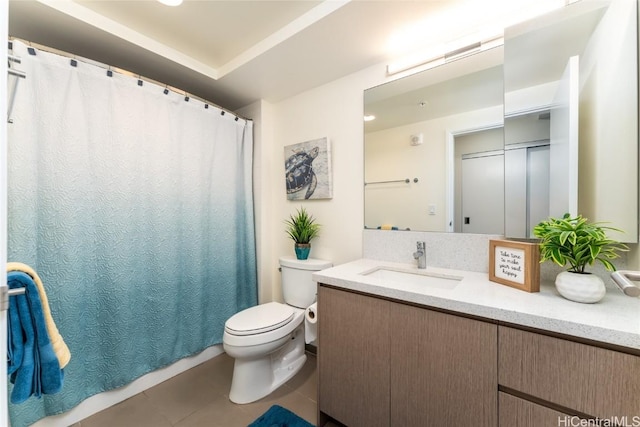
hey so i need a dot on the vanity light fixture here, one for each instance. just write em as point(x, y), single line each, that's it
point(369, 117)
point(445, 53)
point(485, 31)
point(171, 2)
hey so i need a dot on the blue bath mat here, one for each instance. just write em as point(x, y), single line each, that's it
point(277, 416)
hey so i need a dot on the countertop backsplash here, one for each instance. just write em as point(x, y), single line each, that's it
point(457, 251)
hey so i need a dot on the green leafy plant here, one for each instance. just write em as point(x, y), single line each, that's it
point(577, 242)
point(302, 227)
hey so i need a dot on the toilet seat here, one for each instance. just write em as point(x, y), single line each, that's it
point(259, 319)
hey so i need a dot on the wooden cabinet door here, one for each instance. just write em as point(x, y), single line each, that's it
point(353, 358)
point(443, 369)
point(516, 412)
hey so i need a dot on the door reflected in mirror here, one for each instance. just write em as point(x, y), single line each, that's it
point(479, 181)
point(527, 171)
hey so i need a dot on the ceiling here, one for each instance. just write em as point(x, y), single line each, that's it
point(234, 52)
point(229, 52)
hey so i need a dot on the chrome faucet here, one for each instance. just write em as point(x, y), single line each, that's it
point(420, 255)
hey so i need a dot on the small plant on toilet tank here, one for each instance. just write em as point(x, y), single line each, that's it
point(578, 242)
point(302, 228)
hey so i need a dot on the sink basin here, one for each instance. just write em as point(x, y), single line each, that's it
point(412, 280)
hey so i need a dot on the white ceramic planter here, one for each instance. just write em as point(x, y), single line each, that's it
point(585, 288)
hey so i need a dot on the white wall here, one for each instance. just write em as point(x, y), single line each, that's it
point(334, 111)
point(389, 156)
point(261, 113)
point(608, 168)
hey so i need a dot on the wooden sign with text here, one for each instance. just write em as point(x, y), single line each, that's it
point(515, 264)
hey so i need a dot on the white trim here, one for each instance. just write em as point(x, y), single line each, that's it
point(103, 23)
point(450, 160)
point(536, 109)
point(450, 184)
point(574, 101)
point(102, 401)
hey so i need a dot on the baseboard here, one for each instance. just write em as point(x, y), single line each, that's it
point(102, 401)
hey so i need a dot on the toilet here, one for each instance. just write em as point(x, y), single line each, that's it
point(267, 341)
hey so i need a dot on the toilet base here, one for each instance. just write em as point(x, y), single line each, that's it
point(255, 378)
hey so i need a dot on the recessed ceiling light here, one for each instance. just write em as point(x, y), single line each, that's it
point(369, 117)
point(171, 2)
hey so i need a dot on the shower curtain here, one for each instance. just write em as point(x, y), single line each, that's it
point(134, 205)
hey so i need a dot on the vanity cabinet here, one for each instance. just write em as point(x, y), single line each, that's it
point(572, 377)
point(353, 358)
point(443, 369)
point(383, 363)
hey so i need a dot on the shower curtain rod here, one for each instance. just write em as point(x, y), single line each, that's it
point(107, 67)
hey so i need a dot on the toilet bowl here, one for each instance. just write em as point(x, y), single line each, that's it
point(267, 341)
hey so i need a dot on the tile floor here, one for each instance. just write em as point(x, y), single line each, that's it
point(199, 397)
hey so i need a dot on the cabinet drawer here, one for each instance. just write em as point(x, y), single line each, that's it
point(588, 379)
point(516, 412)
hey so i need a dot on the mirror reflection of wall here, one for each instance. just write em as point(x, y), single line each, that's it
point(468, 97)
point(608, 180)
point(580, 63)
point(601, 37)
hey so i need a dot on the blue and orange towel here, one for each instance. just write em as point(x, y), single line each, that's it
point(36, 351)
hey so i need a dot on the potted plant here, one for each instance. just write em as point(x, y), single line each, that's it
point(578, 242)
point(302, 228)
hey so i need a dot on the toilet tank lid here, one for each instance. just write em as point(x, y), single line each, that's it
point(304, 264)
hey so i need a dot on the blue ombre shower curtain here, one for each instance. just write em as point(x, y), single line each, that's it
point(135, 208)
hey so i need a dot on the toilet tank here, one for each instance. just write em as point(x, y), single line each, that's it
point(298, 289)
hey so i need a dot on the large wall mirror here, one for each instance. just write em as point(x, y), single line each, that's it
point(497, 141)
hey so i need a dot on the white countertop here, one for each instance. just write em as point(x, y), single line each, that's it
point(613, 320)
